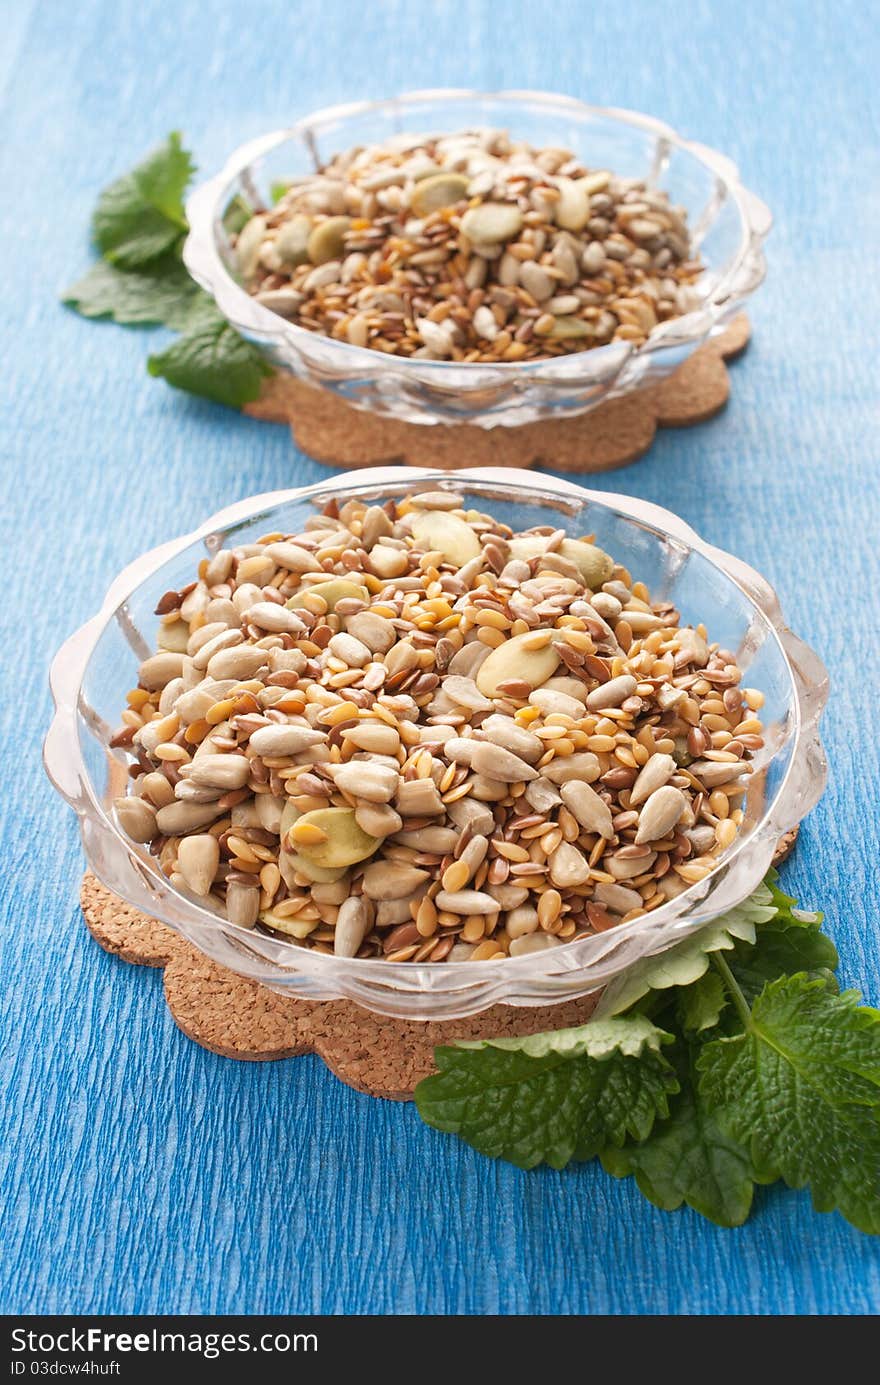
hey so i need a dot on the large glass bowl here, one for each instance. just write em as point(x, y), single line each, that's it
point(94, 669)
point(727, 222)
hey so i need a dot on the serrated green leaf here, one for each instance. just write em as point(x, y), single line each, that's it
point(597, 1039)
point(801, 1089)
point(213, 361)
point(140, 216)
point(161, 292)
point(783, 949)
point(700, 1005)
point(787, 910)
point(688, 1158)
point(542, 1098)
point(688, 960)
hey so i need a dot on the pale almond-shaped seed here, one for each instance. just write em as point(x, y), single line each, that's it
point(375, 783)
point(197, 860)
point(532, 942)
point(377, 819)
point(268, 615)
point(377, 633)
point(282, 739)
point(418, 798)
point(591, 811)
point(627, 868)
point(350, 650)
point(466, 902)
point(292, 557)
point(568, 866)
point(612, 693)
point(352, 923)
point(556, 703)
point(658, 770)
point(497, 763)
point(714, 772)
point(137, 818)
point(618, 898)
point(660, 814)
point(177, 818)
point(244, 661)
point(392, 880)
point(159, 669)
point(242, 905)
point(582, 765)
point(465, 693)
point(375, 736)
point(504, 731)
point(219, 771)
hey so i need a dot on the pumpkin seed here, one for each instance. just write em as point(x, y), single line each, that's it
point(492, 223)
point(326, 241)
point(439, 190)
point(515, 659)
point(438, 531)
point(292, 241)
point(337, 589)
point(345, 842)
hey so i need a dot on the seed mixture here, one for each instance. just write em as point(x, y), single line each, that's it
point(410, 733)
point(470, 247)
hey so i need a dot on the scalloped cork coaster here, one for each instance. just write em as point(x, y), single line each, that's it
point(615, 433)
point(237, 1018)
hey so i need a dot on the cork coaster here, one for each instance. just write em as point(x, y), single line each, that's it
point(331, 430)
point(237, 1018)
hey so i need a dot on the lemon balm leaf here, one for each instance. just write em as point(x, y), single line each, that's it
point(800, 1088)
point(552, 1097)
point(161, 292)
point(211, 359)
point(140, 216)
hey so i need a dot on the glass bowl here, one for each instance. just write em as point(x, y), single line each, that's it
point(728, 226)
point(95, 668)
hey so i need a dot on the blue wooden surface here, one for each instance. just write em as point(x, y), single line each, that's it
point(143, 1174)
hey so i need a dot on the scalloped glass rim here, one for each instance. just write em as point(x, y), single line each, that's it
point(613, 369)
point(422, 991)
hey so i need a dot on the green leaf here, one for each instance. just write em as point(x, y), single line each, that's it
point(278, 189)
point(551, 1097)
point(688, 1158)
point(782, 950)
point(212, 360)
point(140, 216)
point(701, 1003)
point(161, 292)
point(787, 910)
point(238, 213)
point(688, 960)
point(801, 1089)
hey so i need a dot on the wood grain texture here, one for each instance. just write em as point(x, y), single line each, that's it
point(142, 1174)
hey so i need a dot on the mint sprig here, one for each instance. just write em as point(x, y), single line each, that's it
point(139, 225)
point(729, 1061)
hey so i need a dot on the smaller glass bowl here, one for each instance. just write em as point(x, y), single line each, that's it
point(728, 227)
point(96, 667)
